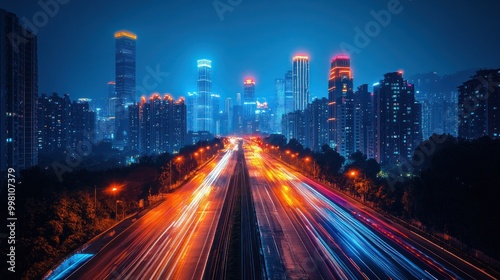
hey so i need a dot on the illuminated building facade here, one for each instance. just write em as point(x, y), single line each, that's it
point(300, 82)
point(317, 114)
point(340, 106)
point(295, 126)
point(226, 119)
point(204, 104)
point(364, 121)
point(192, 111)
point(309, 127)
point(479, 106)
point(53, 122)
point(215, 102)
point(82, 125)
point(158, 125)
point(397, 119)
point(62, 124)
point(279, 103)
point(125, 64)
point(249, 107)
point(264, 117)
point(111, 94)
point(288, 92)
point(19, 90)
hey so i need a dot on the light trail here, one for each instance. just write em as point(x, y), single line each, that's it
point(173, 240)
point(353, 243)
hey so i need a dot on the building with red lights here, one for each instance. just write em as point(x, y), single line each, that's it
point(341, 106)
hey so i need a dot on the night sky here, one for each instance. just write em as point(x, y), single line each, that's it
point(256, 39)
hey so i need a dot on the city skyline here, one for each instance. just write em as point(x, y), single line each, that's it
point(215, 148)
point(384, 53)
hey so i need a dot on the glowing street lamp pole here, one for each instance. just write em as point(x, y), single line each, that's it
point(308, 159)
point(114, 189)
point(201, 154)
point(354, 174)
point(170, 186)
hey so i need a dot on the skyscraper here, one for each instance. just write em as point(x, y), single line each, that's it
point(279, 106)
point(205, 118)
point(64, 124)
point(363, 102)
point(192, 111)
point(81, 125)
point(178, 130)
point(317, 114)
point(300, 82)
point(125, 65)
point(295, 126)
point(111, 94)
point(288, 92)
point(215, 102)
point(340, 103)
point(227, 117)
point(263, 117)
point(135, 115)
point(479, 105)
point(397, 123)
point(125, 81)
point(310, 126)
point(237, 118)
point(158, 125)
point(111, 89)
point(249, 106)
point(53, 122)
point(19, 91)
point(238, 98)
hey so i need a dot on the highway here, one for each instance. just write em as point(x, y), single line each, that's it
point(173, 240)
point(311, 232)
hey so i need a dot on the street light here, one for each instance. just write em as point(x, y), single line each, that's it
point(115, 189)
point(95, 196)
point(201, 152)
point(208, 148)
point(170, 169)
point(308, 159)
point(354, 174)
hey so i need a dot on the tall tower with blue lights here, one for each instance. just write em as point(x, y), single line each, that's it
point(124, 81)
point(300, 82)
point(204, 104)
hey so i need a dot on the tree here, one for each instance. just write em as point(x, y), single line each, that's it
point(369, 167)
point(330, 162)
point(295, 146)
point(165, 178)
point(277, 140)
point(362, 187)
